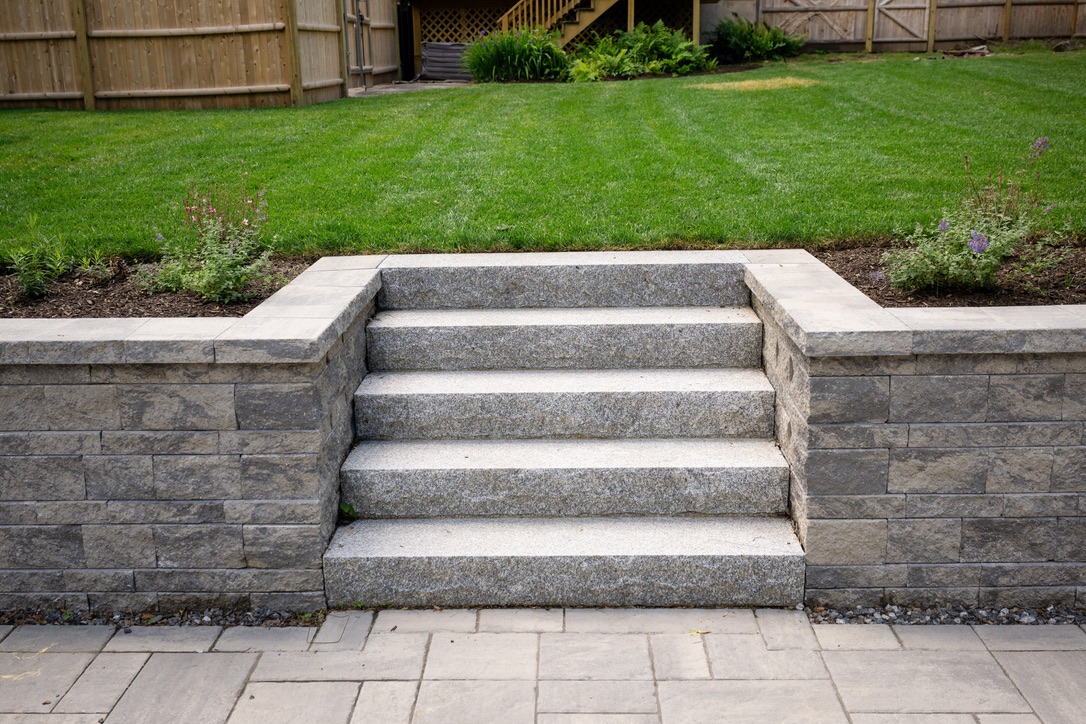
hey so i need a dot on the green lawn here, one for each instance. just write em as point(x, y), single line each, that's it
point(871, 146)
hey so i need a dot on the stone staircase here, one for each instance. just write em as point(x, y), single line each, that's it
point(575, 430)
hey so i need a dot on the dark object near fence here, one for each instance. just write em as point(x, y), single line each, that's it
point(444, 61)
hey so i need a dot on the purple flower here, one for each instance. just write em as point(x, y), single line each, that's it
point(160, 237)
point(878, 277)
point(944, 225)
point(1039, 147)
point(979, 242)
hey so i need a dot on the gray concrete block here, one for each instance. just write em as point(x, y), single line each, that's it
point(63, 443)
point(199, 601)
point(837, 400)
point(199, 546)
point(289, 477)
point(953, 506)
point(82, 407)
point(1038, 597)
point(83, 579)
point(33, 546)
point(845, 598)
point(863, 366)
point(1040, 505)
point(614, 338)
point(147, 512)
point(278, 407)
point(24, 406)
point(923, 541)
point(1072, 538)
point(227, 580)
point(1019, 470)
point(1031, 574)
point(859, 436)
point(49, 601)
point(272, 512)
point(937, 471)
point(71, 512)
point(268, 442)
point(1069, 469)
point(41, 478)
point(23, 513)
point(122, 601)
point(847, 472)
point(119, 546)
point(300, 602)
point(119, 477)
point(947, 597)
point(177, 407)
point(938, 398)
point(564, 403)
point(856, 506)
point(1025, 397)
point(283, 546)
point(1010, 539)
point(857, 576)
point(841, 542)
point(197, 477)
point(995, 434)
point(1074, 397)
point(159, 443)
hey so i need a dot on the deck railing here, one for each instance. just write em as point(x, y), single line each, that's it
point(536, 13)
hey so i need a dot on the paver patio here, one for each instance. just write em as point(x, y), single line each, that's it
point(546, 667)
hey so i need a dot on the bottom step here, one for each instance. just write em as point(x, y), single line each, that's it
point(471, 562)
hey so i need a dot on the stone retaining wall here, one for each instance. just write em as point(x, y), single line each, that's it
point(180, 463)
point(937, 454)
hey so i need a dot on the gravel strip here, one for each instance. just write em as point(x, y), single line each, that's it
point(209, 617)
point(908, 616)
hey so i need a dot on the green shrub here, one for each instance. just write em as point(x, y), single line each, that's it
point(38, 262)
point(740, 41)
point(966, 248)
point(646, 50)
point(224, 252)
point(519, 55)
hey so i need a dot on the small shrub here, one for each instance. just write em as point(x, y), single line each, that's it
point(966, 248)
point(646, 50)
point(225, 251)
point(519, 55)
point(38, 262)
point(740, 41)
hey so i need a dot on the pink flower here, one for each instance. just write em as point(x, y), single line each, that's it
point(244, 222)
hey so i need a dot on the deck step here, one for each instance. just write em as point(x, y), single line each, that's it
point(565, 562)
point(565, 478)
point(591, 338)
point(564, 404)
point(572, 279)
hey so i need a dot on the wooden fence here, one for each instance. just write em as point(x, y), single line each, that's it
point(114, 54)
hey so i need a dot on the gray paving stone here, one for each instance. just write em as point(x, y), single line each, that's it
point(856, 638)
point(385, 702)
point(472, 702)
point(660, 620)
point(255, 638)
point(679, 656)
point(319, 702)
point(494, 656)
point(745, 657)
point(912, 719)
point(189, 687)
point(102, 684)
point(343, 631)
point(58, 639)
point(178, 639)
point(1007, 719)
point(1052, 681)
point(922, 681)
point(597, 697)
point(749, 702)
point(597, 719)
point(939, 638)
point(4, 631)
point(51, 719)
point(1032, 638)
point(35, 682)
point(784, 629)
point(586, 656)
point(385, 657)
point(522, 620)
point(459, 620)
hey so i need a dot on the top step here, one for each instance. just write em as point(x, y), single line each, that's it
point(570, 279)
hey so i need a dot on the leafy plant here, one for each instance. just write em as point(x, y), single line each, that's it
point(738, 40)
point(38, 262)
point(646, 50)
point(516, 56)
point(225, 251)
point(966, 248)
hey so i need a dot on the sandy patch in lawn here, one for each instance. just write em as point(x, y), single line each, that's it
point(761, 84)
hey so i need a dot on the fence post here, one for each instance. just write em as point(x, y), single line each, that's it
point(344, 65)
point(869, 36)
point(1074, 18)
point(294, 52)
point(933, 7)
point(630, 17)
point(696, 29)
point(82, 49)
point(1008, 12)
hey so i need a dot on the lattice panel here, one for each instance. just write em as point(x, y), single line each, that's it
point(449, 25)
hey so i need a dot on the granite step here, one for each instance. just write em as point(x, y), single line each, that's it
point(571, 279)
point(449, 478)
point(591, 338)
point(466, 562)
point(564, 404)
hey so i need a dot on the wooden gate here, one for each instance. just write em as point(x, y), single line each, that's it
point(373, 39)
point(822, 21)
point(901, 21)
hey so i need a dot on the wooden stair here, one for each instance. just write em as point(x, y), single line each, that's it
point(569, 17)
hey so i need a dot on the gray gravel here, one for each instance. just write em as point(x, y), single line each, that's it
point(908, 616)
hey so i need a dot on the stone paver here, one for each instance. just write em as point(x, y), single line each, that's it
point(679, 656)
point(745, 657)
point(166, 639)
point(939, 638)
point(594, 656)
point(453, 620)
point(597, 697)
point(102, 684)
point(494, 656)
point(1054, 682)
point(913, 719)
point(597, 719)
point(522, 620)
point(856, 638)
point(386, 657)
point(756, 702)
point(252, 638)
point(36, 682)
point(922, 681)
point(343, 631)
point(659, 620)
point(389, 702)
point(50, 719)
point(4, 631)
point(784, 629)
point(321, 702)
point(471, 702)
point(1032, 638)
point(185, 688)
point(58, 639)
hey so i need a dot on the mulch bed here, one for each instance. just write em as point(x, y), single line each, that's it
point(78, 295)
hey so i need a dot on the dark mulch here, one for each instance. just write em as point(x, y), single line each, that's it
point(1039, 274)
point(80, 295)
